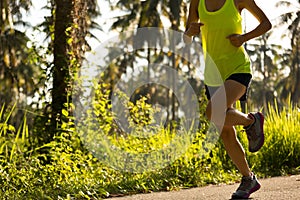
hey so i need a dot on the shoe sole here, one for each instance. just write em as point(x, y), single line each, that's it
point(257, 187)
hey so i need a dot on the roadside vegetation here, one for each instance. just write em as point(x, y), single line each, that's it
point(65, 169)
point(46, 152)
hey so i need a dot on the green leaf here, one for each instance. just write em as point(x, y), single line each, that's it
point(65, 112)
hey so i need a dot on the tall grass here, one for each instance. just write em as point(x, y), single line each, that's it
point(281, 152)
point(13, 140)
point(68, 171)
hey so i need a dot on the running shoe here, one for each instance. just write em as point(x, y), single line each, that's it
point(255, 132)
point(248, 185)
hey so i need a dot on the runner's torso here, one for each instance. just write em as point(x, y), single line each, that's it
point(218, 24)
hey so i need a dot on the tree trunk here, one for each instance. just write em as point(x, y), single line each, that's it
point(61, 71)
point(69, 42)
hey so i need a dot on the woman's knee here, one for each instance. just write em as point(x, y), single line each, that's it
point(228, 133)
point(219, 113)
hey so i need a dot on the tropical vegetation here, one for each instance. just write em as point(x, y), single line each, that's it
point(54, 147)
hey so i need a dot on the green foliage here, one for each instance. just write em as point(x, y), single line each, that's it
point(281, 152)
point(67, 170)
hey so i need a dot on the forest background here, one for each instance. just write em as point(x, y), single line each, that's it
point(42, 151)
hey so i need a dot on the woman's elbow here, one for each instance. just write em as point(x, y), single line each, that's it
point(268, 25)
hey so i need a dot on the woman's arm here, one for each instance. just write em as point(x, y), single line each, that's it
point(192, 25)
point(264, 23)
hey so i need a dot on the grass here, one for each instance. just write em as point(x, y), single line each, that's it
point(281, 153)
point(69, 171)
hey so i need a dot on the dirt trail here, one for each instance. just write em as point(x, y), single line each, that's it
point(277, 188)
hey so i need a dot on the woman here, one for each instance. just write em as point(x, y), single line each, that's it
point(222, 40)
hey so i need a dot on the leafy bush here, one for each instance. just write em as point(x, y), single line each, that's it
point(68, 170)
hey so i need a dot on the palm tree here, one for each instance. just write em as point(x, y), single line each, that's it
point(292, 19)
point(72, 20)
point(268, 69)
point(18, 70)
point(152, 13)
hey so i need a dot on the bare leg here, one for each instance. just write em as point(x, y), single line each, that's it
point(228, 118)
point(235, 117)
point(226, 114)
point(235, 150)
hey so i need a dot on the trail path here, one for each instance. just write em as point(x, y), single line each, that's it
point(277, 188)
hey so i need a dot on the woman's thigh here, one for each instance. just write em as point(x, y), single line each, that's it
point(222, 99)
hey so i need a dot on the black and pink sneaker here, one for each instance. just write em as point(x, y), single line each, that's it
point(248, 186)
point(255, 132)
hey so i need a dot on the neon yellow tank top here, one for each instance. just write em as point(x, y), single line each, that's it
point(222, 59)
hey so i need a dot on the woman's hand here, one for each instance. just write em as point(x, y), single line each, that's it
point(194, 29)
point(236, 40)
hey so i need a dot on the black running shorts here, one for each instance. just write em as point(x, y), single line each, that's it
point(243, 78)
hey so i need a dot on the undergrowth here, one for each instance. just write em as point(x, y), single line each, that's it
point(67, 169)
